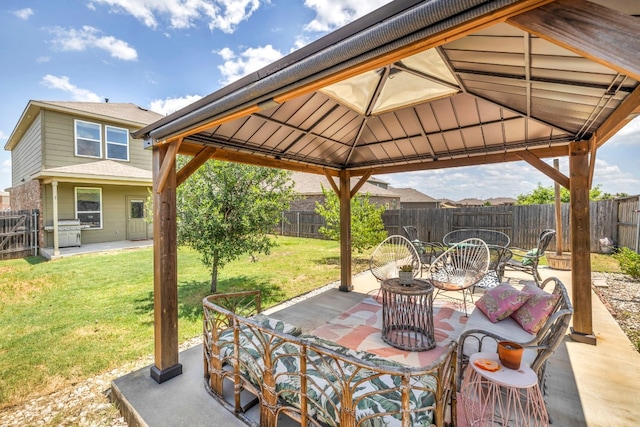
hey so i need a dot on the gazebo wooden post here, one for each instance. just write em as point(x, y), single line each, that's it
point(165, 271)
point(582, 329)
point(345, 232)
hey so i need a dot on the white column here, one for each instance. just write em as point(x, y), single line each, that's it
point(56, 249)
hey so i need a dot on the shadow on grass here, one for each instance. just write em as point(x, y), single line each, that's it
point(34, 260)
point(191, 294)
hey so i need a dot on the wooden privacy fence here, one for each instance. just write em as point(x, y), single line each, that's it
point(18, 234)
point(615, 219)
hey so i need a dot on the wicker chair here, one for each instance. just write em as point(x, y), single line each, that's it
point(394, 252)
point(527, 260)
point(460, 267)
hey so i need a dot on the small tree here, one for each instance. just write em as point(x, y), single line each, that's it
point(228, 209)
point(546, 195)
point(367, 228)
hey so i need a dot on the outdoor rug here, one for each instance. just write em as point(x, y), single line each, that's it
point(360, 328)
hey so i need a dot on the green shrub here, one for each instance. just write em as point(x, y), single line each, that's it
point(629, 262)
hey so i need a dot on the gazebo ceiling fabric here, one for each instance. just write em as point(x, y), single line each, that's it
point(496, 90)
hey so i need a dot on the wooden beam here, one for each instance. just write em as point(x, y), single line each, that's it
point(363, 181)
point(582, 329)
point(435, 40)
point(604, 35)
point(558, 206)
point(479, 160)
point(216, 121)
point(333, 184)
point(592, 158)
point(345, 232)
point(546, 169)
point(165, 272)
point(626, 111)
point(187, 170)
point(168, 163)
point(191, 149)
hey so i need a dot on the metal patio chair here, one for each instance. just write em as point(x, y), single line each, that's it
point(394, 252)
point(527, 260)
point(428, 251)
point(460, 267)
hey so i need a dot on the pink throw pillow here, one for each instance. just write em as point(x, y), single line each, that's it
point(536, 310)
point(500, 302)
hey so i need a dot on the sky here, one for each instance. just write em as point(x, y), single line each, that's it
point(165, 54)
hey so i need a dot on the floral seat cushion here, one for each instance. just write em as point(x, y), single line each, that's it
point(375, 394)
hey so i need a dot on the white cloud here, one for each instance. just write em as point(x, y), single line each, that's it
point(42, 59)
point(3, 136)
point(89, 37)
point(169, 105)
point(630, 134)
point(62, 83)
point(6, 165)
point(224, 15)
point(25, 13)
point(331, 14)
point(251, 59)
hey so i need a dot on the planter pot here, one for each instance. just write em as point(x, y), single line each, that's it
point(406, 277)
point(559, 262)
point(510, 354)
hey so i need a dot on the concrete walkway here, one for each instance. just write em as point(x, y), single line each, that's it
point(586, 385)
point(89, 248)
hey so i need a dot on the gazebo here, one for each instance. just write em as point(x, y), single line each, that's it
point(415, 85)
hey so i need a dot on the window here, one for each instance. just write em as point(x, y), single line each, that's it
point(88, 139)
point(89, 206)
point(117, 143)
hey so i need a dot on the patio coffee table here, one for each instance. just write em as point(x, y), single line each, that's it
point(407, 315)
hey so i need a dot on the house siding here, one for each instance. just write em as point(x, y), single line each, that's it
point(114, 211)
point(26, 157)
point(60, 147)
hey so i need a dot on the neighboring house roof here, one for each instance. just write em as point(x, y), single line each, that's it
point(124, 113)
point(308, 184)
point(470, 201)
point(497, 201)
point(100, 171)
point(410, 195)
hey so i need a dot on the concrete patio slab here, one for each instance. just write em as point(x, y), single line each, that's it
point(586, 385)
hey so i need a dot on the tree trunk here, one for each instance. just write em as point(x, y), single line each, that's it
point(214, 275)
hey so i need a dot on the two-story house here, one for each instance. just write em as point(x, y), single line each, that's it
point(78, 161)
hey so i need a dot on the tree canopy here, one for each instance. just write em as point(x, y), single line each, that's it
point(228, 209)
point(545, 195)
point(367, 228)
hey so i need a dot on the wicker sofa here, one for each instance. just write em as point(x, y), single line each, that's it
point(479, 334)
point(311, 380)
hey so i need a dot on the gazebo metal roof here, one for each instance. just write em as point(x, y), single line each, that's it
point(415, 85)
point(420, 85)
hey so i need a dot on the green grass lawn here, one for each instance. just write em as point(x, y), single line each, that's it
point(66, 320)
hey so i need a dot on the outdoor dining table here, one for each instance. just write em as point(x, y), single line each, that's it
point(407, 315)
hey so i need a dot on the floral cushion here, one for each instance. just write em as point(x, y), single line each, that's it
point(489, 280)
point(327, 378)
point(253, 345)
point(536, 310)
point(528, 258)
point(500, 302)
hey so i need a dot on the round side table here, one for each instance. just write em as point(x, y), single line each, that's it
point(407, 315)
point(504, 397)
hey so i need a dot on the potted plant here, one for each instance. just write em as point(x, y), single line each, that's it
point(406, 274)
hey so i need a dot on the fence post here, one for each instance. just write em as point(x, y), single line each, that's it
point(638, 227)
point(298, 224)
